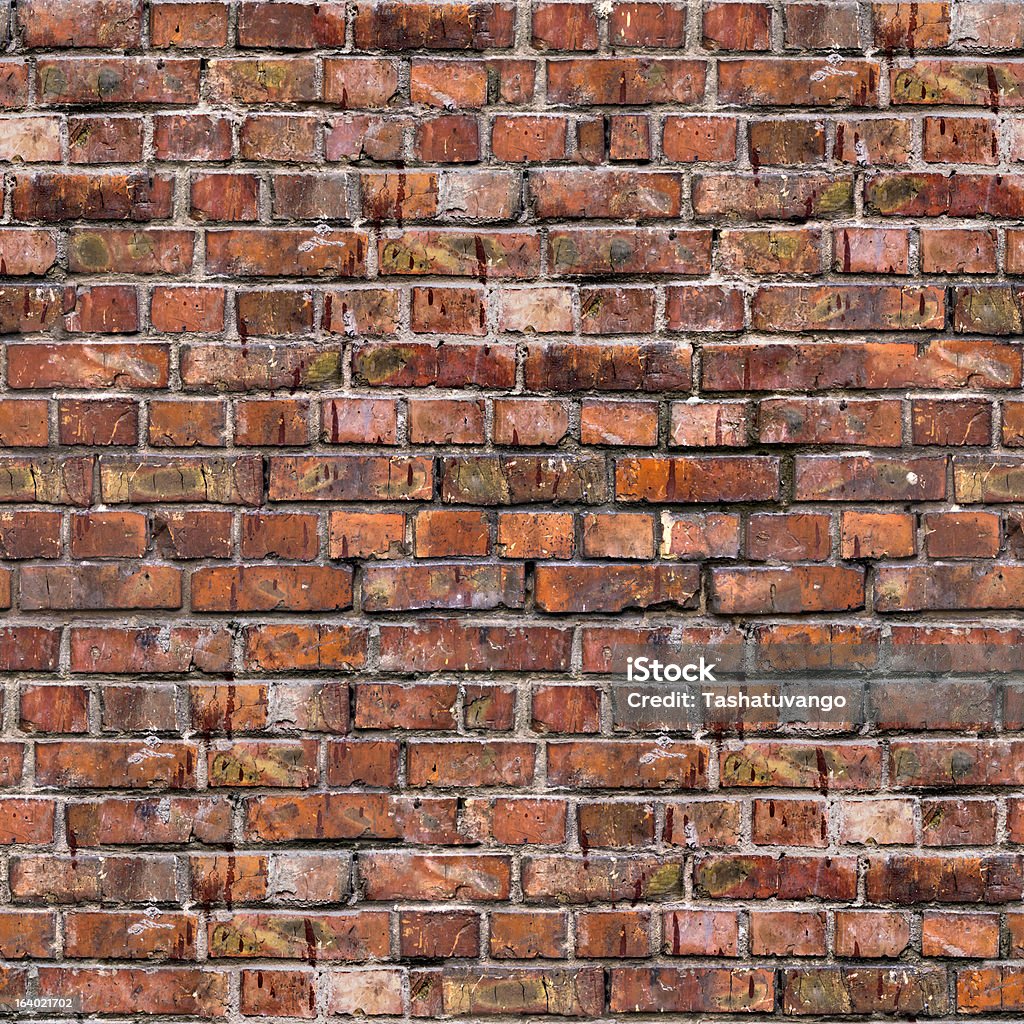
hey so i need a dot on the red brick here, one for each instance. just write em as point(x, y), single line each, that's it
point(807, 81)
point(452, 84)
point(535, 535)
point(186, 423)
point(564, 26)
point(441, 532)
point(695, 537)
point(960, 935)
point(682, 990)
point(560, 709)
point(439, 934)
point(647, 24)
point(811, 26)
point(613, 588)
point(109, 24)
point(883, 141)
point(193, 534)
point(179, 310)
point(619, 423)
point(369, 311)
point(354, 137)
point(270, 993)
point(870, 989)
point(789, 590)
point(497, 254)
point(786, 143)
point(91, 764)
point(291, 26)
point(400, 875)
point(772, 196)
point(704, 308)
point(708, 424)
point(824, 421)
point(847, 308)
point(345, 936)
point(966, 140)
point(366, 534)
point(645, 366)
point(787, 933)
point(283, 137)
point(629, 138)
point(446, 421)
point(871, 250)
point(600, 878)
point(877, 535)
point(692, 139)
point(603, 764)
point(530, 422)
point(572, 193)
point(615, 825)
point(696, 479)
point(360, 83)
point(311, 197)
point(597, 251)
point(179, 990)
point(612, 934)
point(448, 311)
point(625, 80)
point(188, 25)
point(132, 936)
point(30, 534)
point(537, 310)
point(109, 535)
point(291, 535)
point(54, 709)
point(261, 80)
point(399, 26)
point(284, 588)
point(614, 535)
point(950, 251)
point(298, 252)
point(955, 822)
point(224, 197)
point(871, 934)
point(76, 81)
point(854, 478)
point(192, 136)
point(451, 139)
point(699, 932)
point(737, 26)
point(527, 935)
point(792, 823)
point(905, 26)
point(788, 537)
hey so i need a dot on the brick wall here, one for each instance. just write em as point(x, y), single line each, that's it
point(373, 373)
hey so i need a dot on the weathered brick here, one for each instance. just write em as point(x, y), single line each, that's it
point(111, 24)
point(809, 81)
point(78, 81)
point(625, 80)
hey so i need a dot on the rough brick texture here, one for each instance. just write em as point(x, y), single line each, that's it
point(372, 370)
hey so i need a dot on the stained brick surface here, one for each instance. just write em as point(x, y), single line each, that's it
point(372, 372)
